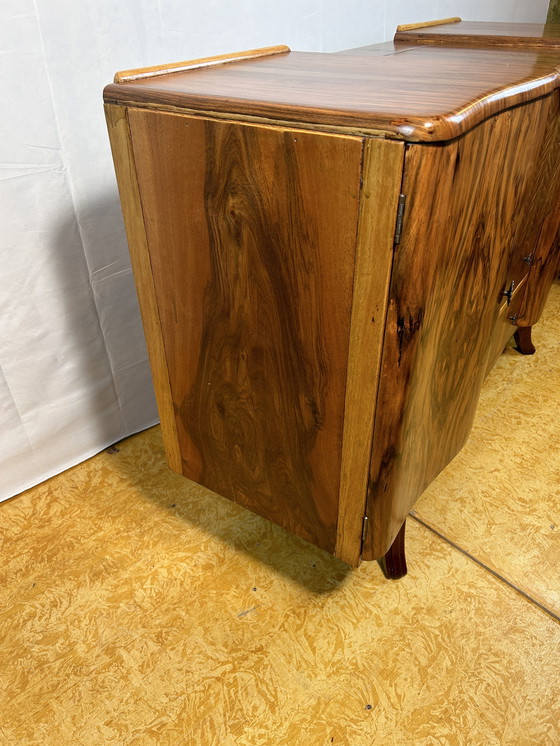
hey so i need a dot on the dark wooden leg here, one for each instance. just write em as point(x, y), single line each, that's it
point(393, 563)
point(523, 340)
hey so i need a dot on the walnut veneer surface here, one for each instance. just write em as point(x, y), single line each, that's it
point(413, 95)
point(312, 362)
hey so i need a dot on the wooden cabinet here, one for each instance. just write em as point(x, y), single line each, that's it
point(330, 252)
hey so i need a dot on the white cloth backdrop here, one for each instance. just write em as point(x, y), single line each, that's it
point(74, 376)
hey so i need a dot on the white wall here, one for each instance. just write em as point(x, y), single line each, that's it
point(73, 370)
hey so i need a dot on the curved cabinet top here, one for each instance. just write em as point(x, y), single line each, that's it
point(414, 92)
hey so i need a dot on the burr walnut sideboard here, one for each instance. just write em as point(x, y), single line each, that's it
point(330, 252)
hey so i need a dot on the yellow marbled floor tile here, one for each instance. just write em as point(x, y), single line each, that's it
point(137, 608)
point(500, 497)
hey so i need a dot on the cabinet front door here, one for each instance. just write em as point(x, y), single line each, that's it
point(469, 202)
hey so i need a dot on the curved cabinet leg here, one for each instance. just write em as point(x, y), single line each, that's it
point(523, 340)
point(393, 563)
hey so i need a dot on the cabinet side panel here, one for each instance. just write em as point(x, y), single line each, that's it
point(252, 234)
point(382, 176)
point(459, 251)
point(123, 158)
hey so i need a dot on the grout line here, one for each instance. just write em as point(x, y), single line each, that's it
point(497, 575)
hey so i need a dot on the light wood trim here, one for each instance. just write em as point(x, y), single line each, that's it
point(121, 146)
point(426, 24)
point(125, 76)
point(382, 173)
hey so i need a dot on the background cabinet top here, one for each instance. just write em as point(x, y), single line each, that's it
point(478, 33)
point(418, 88)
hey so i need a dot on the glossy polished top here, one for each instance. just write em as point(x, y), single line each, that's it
point(413, 92)
point(484, 33)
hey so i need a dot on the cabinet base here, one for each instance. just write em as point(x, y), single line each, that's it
point(523, 340)
point(393, 563)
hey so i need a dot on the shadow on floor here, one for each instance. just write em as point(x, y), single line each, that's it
point(141, 460)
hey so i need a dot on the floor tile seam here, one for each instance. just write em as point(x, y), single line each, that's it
point(486, 567)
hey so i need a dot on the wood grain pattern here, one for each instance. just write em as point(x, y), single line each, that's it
point(467, 201)
point(123, 158)
point(422, 94)
point(252, 234)
point(141, 73)
point(543, 211)
point(483, 33)
point(544, 200)
point(382, 175)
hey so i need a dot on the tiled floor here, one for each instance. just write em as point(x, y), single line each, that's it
point(138, 608)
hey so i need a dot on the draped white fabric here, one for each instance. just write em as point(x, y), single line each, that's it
point(74, 376)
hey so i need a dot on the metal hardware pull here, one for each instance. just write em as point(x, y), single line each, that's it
point(509, 292)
